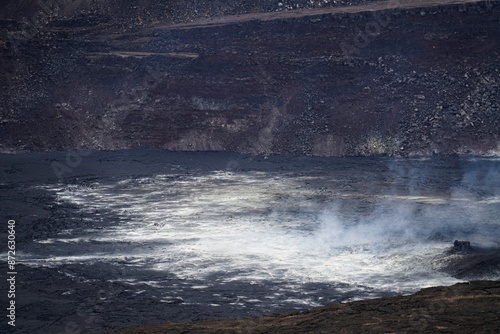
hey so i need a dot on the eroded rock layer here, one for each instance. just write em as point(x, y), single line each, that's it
point(351, 78)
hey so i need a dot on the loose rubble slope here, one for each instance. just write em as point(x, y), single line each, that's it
point(330, 79)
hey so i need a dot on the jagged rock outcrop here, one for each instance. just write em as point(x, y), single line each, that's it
point(461, 247)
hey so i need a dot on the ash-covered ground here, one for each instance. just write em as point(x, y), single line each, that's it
point(114, 239)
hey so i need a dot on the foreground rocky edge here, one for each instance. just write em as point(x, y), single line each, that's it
point(472, 307)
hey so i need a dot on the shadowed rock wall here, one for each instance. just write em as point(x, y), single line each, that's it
point(357, 81)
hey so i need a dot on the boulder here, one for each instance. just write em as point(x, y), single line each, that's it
point(461, 247)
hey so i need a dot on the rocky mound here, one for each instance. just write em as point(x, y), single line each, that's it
point(466, 261)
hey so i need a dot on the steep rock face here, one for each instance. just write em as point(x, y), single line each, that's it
point(412, 77)
point(135, 12)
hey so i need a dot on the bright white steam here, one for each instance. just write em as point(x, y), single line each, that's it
point(267, 226)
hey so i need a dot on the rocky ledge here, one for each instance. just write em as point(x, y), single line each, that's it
point(472, 307)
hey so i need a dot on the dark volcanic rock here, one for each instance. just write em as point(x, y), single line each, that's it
point(108, 294)
point(461, 247)
point(368, 77)
point(466, 262)
point(462, 308)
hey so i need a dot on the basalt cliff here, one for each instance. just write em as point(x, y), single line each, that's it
point(329, 78)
